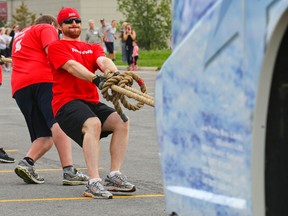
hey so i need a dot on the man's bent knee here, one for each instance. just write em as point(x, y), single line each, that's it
point(92, 125)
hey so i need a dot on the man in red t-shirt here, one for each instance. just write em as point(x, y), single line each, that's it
point(31, 82)
point(77, 108)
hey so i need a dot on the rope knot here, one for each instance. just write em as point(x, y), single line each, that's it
point(118, 88)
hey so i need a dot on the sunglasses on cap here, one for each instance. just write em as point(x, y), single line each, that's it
point(70, 21)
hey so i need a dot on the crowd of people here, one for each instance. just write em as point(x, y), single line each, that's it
point(106, 35)
point(57, 112)
point(7, 35)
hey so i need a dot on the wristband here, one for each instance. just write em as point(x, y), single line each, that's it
point(96, 80)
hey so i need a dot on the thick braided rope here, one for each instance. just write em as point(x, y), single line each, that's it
point(125, 81)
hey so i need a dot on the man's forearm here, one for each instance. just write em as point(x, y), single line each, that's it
point(78, 70)
point(106, 65)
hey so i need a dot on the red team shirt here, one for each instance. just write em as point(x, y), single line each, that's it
point(31, 46)
point(66, 86)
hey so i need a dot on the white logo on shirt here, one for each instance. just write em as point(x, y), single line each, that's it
point(18, 45)
point(82, 52)
point(20, 35)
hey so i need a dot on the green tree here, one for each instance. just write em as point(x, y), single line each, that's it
point(23, 16)
point(151, 19)
point(3, 22)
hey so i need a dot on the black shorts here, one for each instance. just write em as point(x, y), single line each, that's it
point(109, 47)
point(34, 102)
point(73, 114)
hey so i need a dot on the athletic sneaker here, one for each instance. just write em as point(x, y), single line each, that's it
point(97, 191)
point(27, 172)
point(4, 158)
point(119, 183)
point(76, 178)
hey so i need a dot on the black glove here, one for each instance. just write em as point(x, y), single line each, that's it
point(116, 73)
point(99, 81)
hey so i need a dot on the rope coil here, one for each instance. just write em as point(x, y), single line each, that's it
point(118, 88)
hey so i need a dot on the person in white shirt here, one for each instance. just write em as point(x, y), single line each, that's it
point(110, 37)
point(93, 35)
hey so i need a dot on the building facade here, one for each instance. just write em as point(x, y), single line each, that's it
point(88, 9)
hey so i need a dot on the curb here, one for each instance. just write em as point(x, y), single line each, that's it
point(121, 67)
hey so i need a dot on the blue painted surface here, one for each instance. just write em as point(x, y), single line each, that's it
point(205, 99)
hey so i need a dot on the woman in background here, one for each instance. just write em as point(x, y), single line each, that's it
point(129, 37)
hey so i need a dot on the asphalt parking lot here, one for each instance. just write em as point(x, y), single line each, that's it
point(142, 167)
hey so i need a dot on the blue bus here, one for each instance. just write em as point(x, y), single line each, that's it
point(221, 104)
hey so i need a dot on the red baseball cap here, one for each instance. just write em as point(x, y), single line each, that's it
point(67, 13)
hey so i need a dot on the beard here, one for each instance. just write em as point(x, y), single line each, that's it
point(72, 32)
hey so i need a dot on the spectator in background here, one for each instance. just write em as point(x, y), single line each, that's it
point(102, 29)
point(129, 37)
point(2, 41)
point(14, 32)
point(123, 43)
point(4, 46)
point(60, 34)
point(16, 29)
point(8, 32)
point(110, 37)
point(7, 53)
point(135, 55)
point(93, 35)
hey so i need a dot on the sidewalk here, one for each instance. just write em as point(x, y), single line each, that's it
point(121, 67)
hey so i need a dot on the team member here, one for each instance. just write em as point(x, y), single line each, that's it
point(31, 82)
point(77, 108)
